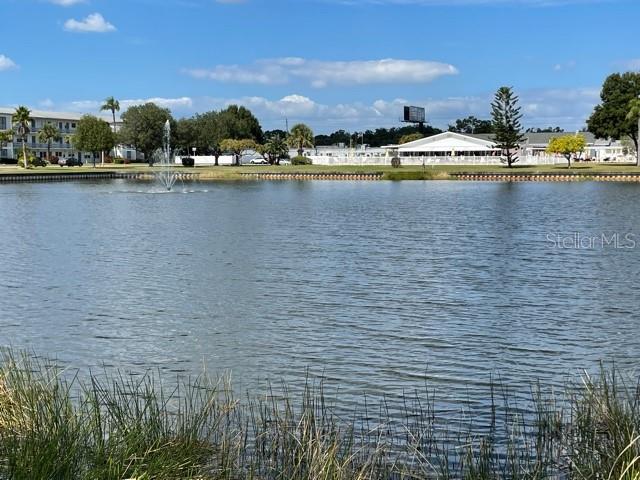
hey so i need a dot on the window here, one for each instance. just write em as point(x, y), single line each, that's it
point(3, 123)
point(73, 125)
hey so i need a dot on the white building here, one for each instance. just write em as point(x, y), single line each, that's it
point(450, 148)
point(66, 123)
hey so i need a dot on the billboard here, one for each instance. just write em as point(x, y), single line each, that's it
point(414, 115)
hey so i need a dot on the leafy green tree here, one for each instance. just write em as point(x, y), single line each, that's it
point(49, 134)
point(411, 137)
point(377, 137)
point(301, 136)
point(506, 123)
point(93, 135)
point(471, 125)
point(209, 133)
point(22, 126)
point(143, 128)
point(271, 133)
point(5, 137)
point(611, 118)
point(238, 123)
point(236, 147)
point(112, 105)
point(186, 135)
point(567, 145)
point(634, 116)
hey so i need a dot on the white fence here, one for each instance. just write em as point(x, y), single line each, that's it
point(429, 161)
point(209, 160)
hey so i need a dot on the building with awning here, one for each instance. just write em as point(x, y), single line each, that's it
point(449, 144)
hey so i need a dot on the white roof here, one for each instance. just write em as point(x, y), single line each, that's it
point(448, 142)
point(72, 116)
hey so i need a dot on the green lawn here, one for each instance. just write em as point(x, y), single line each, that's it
point(405, 172)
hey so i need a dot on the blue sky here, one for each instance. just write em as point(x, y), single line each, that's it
point(348, 64)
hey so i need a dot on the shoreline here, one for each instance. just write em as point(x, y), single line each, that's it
point(546, 173)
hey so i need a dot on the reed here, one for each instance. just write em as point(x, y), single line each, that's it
point(54, 425)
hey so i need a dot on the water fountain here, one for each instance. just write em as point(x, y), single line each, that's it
point(167, 174)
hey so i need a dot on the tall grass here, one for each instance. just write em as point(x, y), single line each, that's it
point(112, 426)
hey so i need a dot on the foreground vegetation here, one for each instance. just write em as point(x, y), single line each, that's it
point(113, 426)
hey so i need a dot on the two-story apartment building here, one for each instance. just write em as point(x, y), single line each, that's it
point(66, 123)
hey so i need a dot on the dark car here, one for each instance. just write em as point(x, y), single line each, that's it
point(69, 162)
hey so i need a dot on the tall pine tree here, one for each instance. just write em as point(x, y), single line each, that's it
point(506, 123)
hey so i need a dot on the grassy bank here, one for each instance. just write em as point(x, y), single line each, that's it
point(440, 172)
point(111, 426)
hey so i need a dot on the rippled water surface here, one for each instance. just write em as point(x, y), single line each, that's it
point(377, 286)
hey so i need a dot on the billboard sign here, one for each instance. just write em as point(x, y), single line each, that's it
point(414, 115)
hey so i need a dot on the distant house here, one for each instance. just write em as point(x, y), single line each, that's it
point(598, 150)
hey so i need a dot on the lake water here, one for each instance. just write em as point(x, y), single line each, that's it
point(378, 287)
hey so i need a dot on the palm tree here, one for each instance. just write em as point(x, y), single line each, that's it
point(112, 105)
point(301, 136)
point(276, 148)
point(49, 134)
point(22, 127)
point(634, 114)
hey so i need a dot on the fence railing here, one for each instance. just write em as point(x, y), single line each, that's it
point(430, 160)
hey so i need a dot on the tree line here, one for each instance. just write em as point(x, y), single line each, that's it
point(232, 130)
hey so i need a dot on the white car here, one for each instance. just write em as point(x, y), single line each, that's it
point(258, 161)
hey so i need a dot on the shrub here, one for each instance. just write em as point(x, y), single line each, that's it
point(188, 162)
point(33, 161)
point(300, 160)
point(395, 162)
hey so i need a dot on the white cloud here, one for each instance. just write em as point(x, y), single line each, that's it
point(93, 106)
point(171, 103)
point(571, 64)
point(46, 103)
point(7, 64)
point(94, 23)
point(66, 3)
point(323, 73)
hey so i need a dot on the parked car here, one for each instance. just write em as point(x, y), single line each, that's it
point(285, 162)
point(258, 161)
point(69, 162)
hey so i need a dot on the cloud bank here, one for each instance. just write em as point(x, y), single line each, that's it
point(321, 74)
